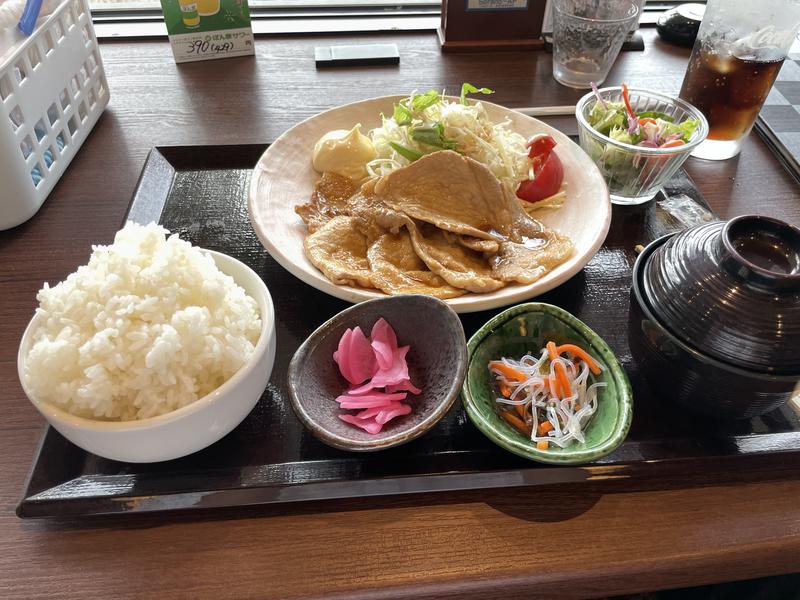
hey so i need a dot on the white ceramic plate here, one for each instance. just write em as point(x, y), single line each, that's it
point(284, 178)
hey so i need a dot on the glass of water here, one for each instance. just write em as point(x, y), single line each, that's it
point(587, 36)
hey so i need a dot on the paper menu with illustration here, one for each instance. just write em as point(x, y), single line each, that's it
point(208, 29)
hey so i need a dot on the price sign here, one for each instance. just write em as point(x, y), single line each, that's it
point(214, 44)
point(208, 29)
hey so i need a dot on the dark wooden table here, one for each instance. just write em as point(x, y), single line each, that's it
point(595, 539)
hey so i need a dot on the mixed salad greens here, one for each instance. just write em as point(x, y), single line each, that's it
point(626, 170)
point(411, 113)
point(648, 129)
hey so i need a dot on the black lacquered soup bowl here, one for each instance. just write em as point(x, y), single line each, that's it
point(732, 291)
point(681, 374)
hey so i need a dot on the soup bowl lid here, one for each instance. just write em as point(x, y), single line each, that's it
point(732, 290)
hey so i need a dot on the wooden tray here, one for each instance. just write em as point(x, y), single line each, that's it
point(201, 193)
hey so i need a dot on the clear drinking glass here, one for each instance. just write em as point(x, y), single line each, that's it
point(587, 36)
point(739, 50)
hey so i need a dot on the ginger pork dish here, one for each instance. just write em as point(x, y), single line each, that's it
point(438, 200)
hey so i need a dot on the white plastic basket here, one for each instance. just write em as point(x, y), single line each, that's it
point(52, 91)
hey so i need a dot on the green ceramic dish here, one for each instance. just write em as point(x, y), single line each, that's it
point(527, 328)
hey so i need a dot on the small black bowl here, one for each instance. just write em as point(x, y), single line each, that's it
point(681, 373)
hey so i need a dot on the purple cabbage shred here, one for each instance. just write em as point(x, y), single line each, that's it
point(599, 97)
point(633, 125)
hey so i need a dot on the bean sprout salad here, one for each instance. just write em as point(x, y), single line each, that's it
point(550, 397)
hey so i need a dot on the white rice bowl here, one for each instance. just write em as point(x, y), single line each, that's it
point(148, 326)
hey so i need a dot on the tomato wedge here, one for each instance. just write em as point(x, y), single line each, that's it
point(547, 170)
point(546, 183)
point(540, 146)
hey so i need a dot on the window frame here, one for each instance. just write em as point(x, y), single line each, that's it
point(309, 17)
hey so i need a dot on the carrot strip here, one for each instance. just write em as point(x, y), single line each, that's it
point(521, 411)
point(561, 372)
point(552, 383)
point(509, 372)
point(643, 120)
point(551, 350)
point(542, 445)
point(543, 428)
point(580, 353)
point(566, 388)
point(627, 100)
point(514, 375)
point(517, 423)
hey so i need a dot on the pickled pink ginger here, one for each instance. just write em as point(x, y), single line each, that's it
point(378, 371)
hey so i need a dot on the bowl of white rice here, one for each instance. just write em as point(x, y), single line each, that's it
point(153, 350)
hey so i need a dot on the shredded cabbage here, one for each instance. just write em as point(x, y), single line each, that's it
point(425, 123)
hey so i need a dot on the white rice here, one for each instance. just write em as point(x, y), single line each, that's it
point(148, 326)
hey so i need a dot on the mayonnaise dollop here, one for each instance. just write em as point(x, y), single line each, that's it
point(344, 153)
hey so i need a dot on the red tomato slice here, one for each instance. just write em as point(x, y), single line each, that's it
point(546, 183)
point(540, 144)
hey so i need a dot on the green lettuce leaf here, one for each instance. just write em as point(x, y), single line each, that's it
point(406, 110)
point(685, 129)
point(433, 136)
point(468, 88)
point(423, 101)
point(402, 115)
point(654, 114)
point(620, 134)
point(407, 153)
point(603, 120)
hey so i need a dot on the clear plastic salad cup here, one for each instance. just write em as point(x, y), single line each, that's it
point(635, 172)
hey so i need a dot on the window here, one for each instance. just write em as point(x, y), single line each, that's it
point(298, 5)
point(284, 8)
point(120, 18)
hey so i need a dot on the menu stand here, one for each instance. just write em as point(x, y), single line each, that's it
point(482, 25)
